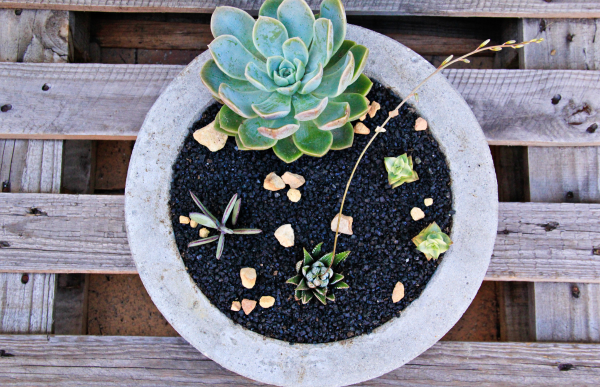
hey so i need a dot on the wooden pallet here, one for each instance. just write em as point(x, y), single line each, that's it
point(548, 246)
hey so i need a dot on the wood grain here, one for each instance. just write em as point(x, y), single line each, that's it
point(463, 8)
point(93, 101)
point(86, 234)
point(170, 361)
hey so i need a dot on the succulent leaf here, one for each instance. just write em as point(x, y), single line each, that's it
point(212, 77)
point(340, 285)
point(233, 21)
point(289, 90)
point(343, 137)
point(317, 249)
point(241, 101)
point(308, 259)
point(311, 140)
point(298, 19)
point(300, 69)
point(273, 64)
point(280, 128)
point(340, 53)
point(432, 241)
point(340, 257)
point(359, 105)
point(294, 48)
point(299, 265)
point(217, 127)
point(336, 278)
point(275, 107)
point(228, 209)
point(203, 208)
point(229, 120)
point(330, 296)
point(335, 115)
point(203, 220)
point(320, 297)
point(294, 280)
point(259, 79)
point(361, 86)
point(312, 80)
point(307, 296)
point(204, 241)
point(286, 150)
point(239, 144)
point(326, 259)
point(321, 49)
point(251, 137)
point(220, 246)
point(231, 56)
point(360, 53)
point(236, 211)
point(302, 285)
point(337, 78)
point(334, 11)
point(246, 231)
point(308, 107)
point(400, 170)
point(268, 35)
point(269, 8)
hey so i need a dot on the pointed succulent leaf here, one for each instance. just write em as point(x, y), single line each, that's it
point(340, 53)
point(326, 259)
point(311, 140)
point(231, 56)
point(308, 259)
point(295, 280)
point(335, 115)
point(343, 137)
point(308, 107)
point(212, 77)
point(273, 64)
point(320, 297)
point(334, 11)
point(246, 231)
point(298, 295)
point(269, 8)
point(236, 211)
point(321, 291)
point(340, 257)
point(361, 86)
point(300, 70)
point(305, 270)
point(330, 296)
point(336, 278)
point(225, 230)
point(317, 249)
point(307, 296)
point(321, 49)
point(359, 105)
point(280, 81)
point(302, 285)
point(220, 246)
point(312, 80)
point(241, 101)
point(299, 265)
point(298, 19)
point(259, 78)
point(294, 48)
point(340, 285)
point(280, 128)
point(338, 78)
point(203, 241)
point(289, 90)
point(275, 107)
point(229, 209)
point(268, 35)
point(229, 120)
point(203, 208)
point(234, 21)
point(286, 150)
point(251, 137)
point(360, 53)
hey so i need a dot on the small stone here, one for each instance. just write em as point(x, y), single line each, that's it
point(293, 180)
point(420, 124)
point(394, 113)
point(379, 129)
point(193, 223)
point(248, 275)
point(428, 201)
point(204, 232)
point(273, 182)
point(398, 292)
point(285, 235)
point(361, 128)
point(374, 108)
point(267, 301)
point(210, 138)
point(417, 213)
point(248, 306)
point(184, 219)
point(236, 306)
point(345, 224)
point(553, 52)
point(294, 195)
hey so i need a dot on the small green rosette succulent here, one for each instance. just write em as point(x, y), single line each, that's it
point(432, 241)
point(400, 170)
point(288, 81)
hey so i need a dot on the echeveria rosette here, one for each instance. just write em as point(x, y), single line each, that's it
point(400, 170)
point(317, 277)
point(432, 241)
point(288, 81)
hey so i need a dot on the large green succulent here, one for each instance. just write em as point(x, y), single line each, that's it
point(289, 81)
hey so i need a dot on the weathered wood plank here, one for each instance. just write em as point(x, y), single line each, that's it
point(92, 101)
point(464, 8)
point(62, 239)
point(165, 361)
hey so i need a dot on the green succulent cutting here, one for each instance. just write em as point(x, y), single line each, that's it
point(432, 241)
point(400, 170)
point(316, 277)
point(288, 81)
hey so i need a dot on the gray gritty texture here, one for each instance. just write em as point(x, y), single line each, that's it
point(422, 324)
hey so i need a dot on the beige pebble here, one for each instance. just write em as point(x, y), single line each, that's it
point(236, 306)
point(294, 195)
point(193, 223)
point(248, 275)
point(398, 292)
point(361, 128)
point(273, 182)
point(293, 180)
point(553, 52)
point(394, 113)
point(417, 213)
point(374, 108)
point(285, 235)
point(248, 306)
point(345, 224)
point(428, 201)
point(420, 124)
point(184, 219)
point(267, 301)
point(204, 232)
point(210, 138)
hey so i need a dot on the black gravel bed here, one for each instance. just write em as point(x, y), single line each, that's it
point(382, 252)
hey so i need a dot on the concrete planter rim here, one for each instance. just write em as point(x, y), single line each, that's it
point(425, 321)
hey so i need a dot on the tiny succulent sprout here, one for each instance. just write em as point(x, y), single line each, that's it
point(209, 220)
point(288, 81)
point(317, 277)
point(400, 170)
point(432, 241)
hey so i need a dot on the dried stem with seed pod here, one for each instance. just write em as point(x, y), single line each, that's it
point(380, 129)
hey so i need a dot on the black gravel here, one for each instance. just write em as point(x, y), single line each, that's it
point(382, 251)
